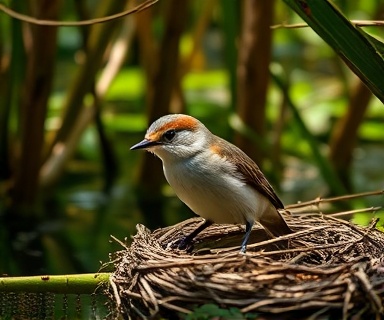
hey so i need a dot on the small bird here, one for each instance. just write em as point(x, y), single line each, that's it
point(213, 177)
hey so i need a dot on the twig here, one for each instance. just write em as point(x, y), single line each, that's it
point(347, 298)
point(119, 242)
point(147, 288)
point(367, 286)
point(334, 199)
point(33, 20)
point(115, 293)
point(350, 212)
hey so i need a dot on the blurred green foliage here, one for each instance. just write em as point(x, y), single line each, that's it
point(81, 215)
point(209, 311)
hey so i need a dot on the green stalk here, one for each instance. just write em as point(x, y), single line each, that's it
point(65, 284)
point(326, 170)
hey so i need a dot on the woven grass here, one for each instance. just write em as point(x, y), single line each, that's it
point(327, 268)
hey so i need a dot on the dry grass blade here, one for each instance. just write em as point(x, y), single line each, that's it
point(336, 269)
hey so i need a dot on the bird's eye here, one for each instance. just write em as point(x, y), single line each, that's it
point(169, 135)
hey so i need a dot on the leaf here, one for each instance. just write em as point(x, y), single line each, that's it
point(360, 52)
point(210, 311)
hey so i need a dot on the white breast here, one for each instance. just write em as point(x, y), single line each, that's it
point(216, 194)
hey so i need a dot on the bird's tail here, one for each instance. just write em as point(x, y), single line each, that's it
point(274, 223)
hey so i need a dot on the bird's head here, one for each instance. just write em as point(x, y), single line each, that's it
point(175, 137)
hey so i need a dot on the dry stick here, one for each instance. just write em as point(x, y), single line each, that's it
point(332, 245)
point(350, 212)
point(334, 199)
point(191, 262)
point(119, 242)
point(270, 241)
point(363, 232)
point(357, 23)
point(33, 20)
point(132, 294)
point(166, 283)
point(311, 270)
point(145, 299)
point(115, 292)
point(367, 287)
point(150, 293)
point(277, 266)
point(347, 298)
point(320, 285)
point(134, 281)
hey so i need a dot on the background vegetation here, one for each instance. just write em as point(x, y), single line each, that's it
point(74, 99)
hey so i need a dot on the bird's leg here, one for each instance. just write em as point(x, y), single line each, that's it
point(248, 229)
point(187, 239)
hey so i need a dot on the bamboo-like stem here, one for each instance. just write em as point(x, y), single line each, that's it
point(65, 141)
point(253, 72)
point(163, 77)
point(37, 85)
point(70, 284)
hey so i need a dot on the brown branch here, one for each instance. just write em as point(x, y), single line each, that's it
point(253, 71)
point(37, 85)
point(161, 83)
point(366, 285)
point(344, 136)
point(350, 212)
point(318, 201)
point(55, 23)
point(73, 107)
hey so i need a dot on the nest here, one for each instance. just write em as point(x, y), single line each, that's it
point(328, 267)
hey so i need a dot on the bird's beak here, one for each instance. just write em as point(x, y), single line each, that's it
point(145, 144)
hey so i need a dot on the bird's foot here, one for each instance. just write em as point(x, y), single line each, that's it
point(243, 249)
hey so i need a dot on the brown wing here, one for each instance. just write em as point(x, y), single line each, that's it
point(251, 173)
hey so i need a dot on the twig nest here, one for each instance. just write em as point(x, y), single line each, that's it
point(328, 266)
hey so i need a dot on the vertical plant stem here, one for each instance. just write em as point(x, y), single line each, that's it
point(41, 47)
point(162, 83)
point(231, 21)
point(11, 79)
point(253, 70)
point(344, 136)
point(99, 37)
point(328, 173)
point(60, 151)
